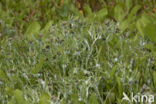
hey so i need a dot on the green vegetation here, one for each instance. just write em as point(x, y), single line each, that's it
point(52, 52)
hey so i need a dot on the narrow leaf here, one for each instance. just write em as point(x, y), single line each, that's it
point(44, 99)
point(151, 32)
point(38, 67)
point(19, 98)
point(32, 30)
point(93, 99)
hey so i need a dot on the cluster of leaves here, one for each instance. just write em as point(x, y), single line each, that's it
point(17, 15)
point(129, 14)
point(84, 60)
point(135, 15)
point(75, 62)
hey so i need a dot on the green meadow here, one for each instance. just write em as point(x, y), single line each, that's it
point(52, 53)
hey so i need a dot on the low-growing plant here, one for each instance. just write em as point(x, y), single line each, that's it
point(75, 62)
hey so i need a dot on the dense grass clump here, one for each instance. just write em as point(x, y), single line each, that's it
point(76, 62)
